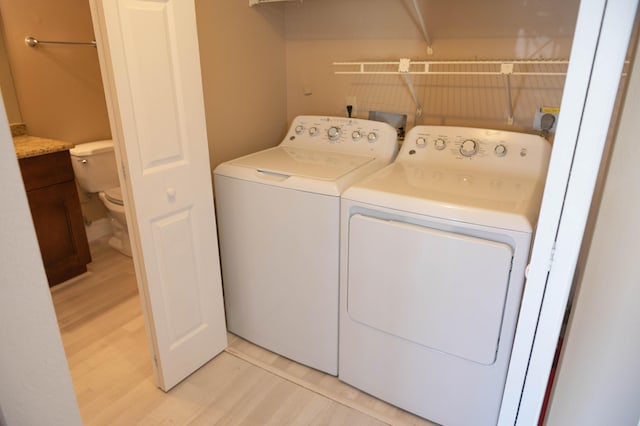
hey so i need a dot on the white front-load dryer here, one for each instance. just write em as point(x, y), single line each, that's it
point(278, 214)
point(433, 252)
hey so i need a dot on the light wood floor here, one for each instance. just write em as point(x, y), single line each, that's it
point(103, 334)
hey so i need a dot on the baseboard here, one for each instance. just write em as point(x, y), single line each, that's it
point(98, 229)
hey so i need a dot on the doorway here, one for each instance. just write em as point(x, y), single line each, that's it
point(61, 96)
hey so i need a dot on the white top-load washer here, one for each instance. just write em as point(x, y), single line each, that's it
point(278, 216)
point(433, 253)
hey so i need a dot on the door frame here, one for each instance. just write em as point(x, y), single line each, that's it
point(591, 89)
point(180, 289)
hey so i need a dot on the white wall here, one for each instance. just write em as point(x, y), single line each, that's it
point(35, 385)
point(598, 379)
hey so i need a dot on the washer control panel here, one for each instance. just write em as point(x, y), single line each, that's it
point(349, 135)
point(474, 149)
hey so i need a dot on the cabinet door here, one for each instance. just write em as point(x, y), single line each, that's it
point(57, 219)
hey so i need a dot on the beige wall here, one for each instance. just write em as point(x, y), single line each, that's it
point(60, 92)
point(320, 32)
point(59, 88)
point(263, 65)
point(6, 83)
point(242, 50)
point(242, 54)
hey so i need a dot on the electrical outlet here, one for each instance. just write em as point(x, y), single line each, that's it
point(546, 119)
point(351, 100)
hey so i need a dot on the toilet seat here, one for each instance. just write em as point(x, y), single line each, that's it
point(114, 195)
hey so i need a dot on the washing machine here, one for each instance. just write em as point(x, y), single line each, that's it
point(278, 216)
point(433, 254)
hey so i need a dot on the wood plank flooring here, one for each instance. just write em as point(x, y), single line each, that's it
point(102, 329)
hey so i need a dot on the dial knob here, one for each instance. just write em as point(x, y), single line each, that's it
point(299, 129)
point(500, 150)
point(372, 137)
point(313, 131)
point(333, 133)
point(421, 142)
point(356, 135)
point(440, 144)
point(469, 148)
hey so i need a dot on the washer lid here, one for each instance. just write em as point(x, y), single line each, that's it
point(507, 202)
point(301, 162)
point(114, 195)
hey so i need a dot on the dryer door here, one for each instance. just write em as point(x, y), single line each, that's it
point(441, 290)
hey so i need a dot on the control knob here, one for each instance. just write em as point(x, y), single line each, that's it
point(500, 150)
point(372, 137)
point(313, 131)
point(333, 133)
point(356, 135)
point(440, 144)
point(421, 142)
point(469, 148)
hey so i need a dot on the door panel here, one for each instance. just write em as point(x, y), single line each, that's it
point(150, 63)
point(442, 290)
point(176, 256)
point(143, 25)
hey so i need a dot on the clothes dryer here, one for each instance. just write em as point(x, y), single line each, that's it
point(433, 254)
point(278, 216)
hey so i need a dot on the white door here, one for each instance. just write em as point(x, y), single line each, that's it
point(151, 70)
point(420, 284)
point(597, 58)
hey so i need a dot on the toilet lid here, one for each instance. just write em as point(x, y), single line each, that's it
point(114, 195)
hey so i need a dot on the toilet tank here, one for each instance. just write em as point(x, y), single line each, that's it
point(94, 164)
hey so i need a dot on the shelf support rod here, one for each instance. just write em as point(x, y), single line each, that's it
point(423, 27)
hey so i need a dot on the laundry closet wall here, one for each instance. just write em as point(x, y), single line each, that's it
point(320, 32)
point(242, 55)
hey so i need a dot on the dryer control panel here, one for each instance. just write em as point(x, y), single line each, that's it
point(474, 149)
point(346, 135)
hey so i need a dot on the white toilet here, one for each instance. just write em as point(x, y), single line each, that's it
point(94, 164)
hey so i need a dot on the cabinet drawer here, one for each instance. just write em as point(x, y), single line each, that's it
point(45, 170)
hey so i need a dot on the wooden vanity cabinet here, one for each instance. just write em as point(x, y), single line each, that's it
point(55, 209)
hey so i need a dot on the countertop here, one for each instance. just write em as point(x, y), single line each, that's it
point(31, 146)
